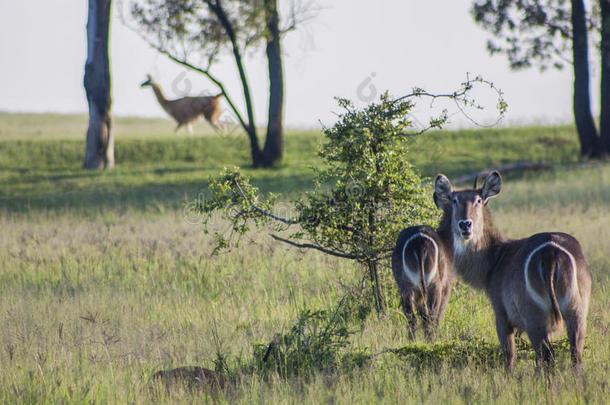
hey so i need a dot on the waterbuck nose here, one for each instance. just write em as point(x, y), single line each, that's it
point(465, 225)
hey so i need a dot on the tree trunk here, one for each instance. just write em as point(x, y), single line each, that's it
point(251, 130)
point(99, 149)
point(587, 134)
point(274, 143)
point(604, 127)
point(376, 287)
point(372, 264)
point(257, 155)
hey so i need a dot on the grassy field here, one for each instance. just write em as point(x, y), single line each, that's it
point(104, 281)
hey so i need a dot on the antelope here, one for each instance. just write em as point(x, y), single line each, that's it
point(533, 283)
point(187, 109)
point(421, 264)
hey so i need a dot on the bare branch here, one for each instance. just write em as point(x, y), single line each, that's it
point(459, 97)
point(216, 8)
point(300, 13)
point(316, 247)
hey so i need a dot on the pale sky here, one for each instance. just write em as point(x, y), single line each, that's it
point(396, 44)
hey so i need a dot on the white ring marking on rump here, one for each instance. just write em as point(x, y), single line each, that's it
point(544, 302)
point(413, 274)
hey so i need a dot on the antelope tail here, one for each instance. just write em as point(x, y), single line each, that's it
point(424, 288)
point(554, 271)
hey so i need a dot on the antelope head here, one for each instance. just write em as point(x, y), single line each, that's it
point(467, 207)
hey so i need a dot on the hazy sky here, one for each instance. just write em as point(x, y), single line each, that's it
point(394, 44)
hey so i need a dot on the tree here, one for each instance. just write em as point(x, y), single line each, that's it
point(364, 196)
point(99, 149)
point(587, 134)
point(542, 32)
point(274, 143)
point(604, 127)
point(195, 34)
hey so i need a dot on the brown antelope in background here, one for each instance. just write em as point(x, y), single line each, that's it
point(187, 109)
point(533, 283)
point(421, 264)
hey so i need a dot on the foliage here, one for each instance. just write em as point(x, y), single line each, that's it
point(374, 191)
point(317, 341)
point(530, 31)
point(181, 26)
point(312, 344)
point(474, 352)
point(246, 207)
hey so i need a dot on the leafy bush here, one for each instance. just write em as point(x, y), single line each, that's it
point(317, 341)
point(365, 194)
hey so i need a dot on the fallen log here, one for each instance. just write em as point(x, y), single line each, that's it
point(513, 167)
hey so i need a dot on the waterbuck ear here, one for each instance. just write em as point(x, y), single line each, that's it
point(437, 201)
point(442, 190)
point(492, 186)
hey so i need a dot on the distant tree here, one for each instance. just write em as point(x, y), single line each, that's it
point(195, 33)
point(542, 32)
point(99, 149)
point(604, 127)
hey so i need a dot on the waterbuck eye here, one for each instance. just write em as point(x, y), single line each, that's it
point(479, 201)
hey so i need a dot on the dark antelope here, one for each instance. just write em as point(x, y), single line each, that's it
point(533, 283)
point(421, 263)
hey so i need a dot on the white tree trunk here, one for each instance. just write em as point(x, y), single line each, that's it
point(99, 149)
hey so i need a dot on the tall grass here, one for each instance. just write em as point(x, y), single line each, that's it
point(103, 281)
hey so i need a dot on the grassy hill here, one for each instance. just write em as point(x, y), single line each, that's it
point(104, 281)
point(41, 157)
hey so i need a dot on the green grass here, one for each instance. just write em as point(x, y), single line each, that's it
point(41, 157)
point(103, 281)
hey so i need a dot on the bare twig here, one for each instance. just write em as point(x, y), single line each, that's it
point(458, 97)
point(300, 13)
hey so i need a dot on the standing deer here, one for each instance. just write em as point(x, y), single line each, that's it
point(187, 109)
point(533, 283)
point(421, 264)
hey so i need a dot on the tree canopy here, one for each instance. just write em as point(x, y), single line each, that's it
point(530, 32)
point(553, 33)
point(196, 34)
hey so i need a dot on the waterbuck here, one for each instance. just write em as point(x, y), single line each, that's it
point(533, 283)
point(421, 264)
